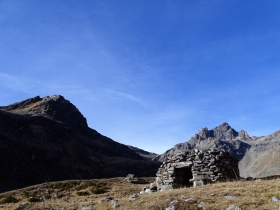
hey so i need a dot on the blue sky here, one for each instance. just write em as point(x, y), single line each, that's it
point(147, 73)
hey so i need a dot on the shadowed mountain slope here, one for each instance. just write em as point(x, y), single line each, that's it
point(48, 139)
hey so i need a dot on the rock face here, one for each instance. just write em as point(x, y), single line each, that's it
point(259, 156)
point(263, 158)
point(222, 137)
point(196, 168)
point(48, 139)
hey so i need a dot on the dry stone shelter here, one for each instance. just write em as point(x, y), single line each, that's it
point(195, 168)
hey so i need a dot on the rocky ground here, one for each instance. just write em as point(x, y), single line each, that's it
point(117, 193)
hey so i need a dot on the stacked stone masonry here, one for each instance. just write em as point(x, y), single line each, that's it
point(195, 168)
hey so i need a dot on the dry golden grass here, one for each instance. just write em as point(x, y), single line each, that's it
point(77, 194)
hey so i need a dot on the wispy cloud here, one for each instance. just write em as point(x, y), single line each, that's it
point(16, 83)
point(126, 96)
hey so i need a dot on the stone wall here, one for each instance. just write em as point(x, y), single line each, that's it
point(196, 168)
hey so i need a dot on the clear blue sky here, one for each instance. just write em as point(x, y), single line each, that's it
point(147, 73)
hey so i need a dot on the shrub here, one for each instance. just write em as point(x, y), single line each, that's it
point(33, 199)
point(82, 193)
point(25, 194)
point(64, 185)
point(99, 188)
point(9, 199)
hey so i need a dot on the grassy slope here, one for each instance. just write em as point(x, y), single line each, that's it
point(77, 194)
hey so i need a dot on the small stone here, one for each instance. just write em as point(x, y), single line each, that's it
point(58, 195)
point(230, 197)
point(275, 199)
point(108, 199)
point(22, 205)
point(233, 207)
point(191, 200)
point(170, 208)
point(88, 207)
point(133, 197)
point(115, 205)
point(129, 177)
point(201, 205)
point(148, 191)
point(173, 202)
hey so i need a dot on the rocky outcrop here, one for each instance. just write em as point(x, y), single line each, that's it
point(196, 168)
point(222, 137)
point(47, 139)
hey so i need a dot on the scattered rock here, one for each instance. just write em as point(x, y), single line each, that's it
point(133, 197)
point(230, 197)
point(170, 208)
point(129, 177)
point(191, 200)
point(233, 207)
point(275, 199)
point(22, 205)
point(88, 207)
point(173, 202)
point(115, 205)
point(108, 199)
point(201, 205)
point(148, 190)
point(57, 195)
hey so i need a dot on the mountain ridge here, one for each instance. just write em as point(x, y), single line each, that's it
point(253, 153)
point(53, 142)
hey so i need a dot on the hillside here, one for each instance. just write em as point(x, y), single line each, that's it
point(48, 139)
point(93, 194)
point(258, 156)
point(145, 154)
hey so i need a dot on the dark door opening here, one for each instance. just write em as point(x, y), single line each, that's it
point(182, 177)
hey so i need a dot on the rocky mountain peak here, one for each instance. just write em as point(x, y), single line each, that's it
point(55, 107)
point(224, 131)
point(244, 135)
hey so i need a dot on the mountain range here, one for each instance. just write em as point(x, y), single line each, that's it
point(258, 156)
point(48, 139)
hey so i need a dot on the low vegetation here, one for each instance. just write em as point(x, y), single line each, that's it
point(77, 194)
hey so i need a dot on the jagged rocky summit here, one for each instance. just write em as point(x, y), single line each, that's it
point(48, 139)
point(258, 156)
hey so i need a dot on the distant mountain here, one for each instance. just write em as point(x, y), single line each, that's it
point(258, 156)
point(48, 139)
point(146, 155)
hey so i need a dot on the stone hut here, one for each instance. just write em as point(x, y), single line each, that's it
point(195, 168)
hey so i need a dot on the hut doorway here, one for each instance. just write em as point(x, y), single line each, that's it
point(183, 176)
